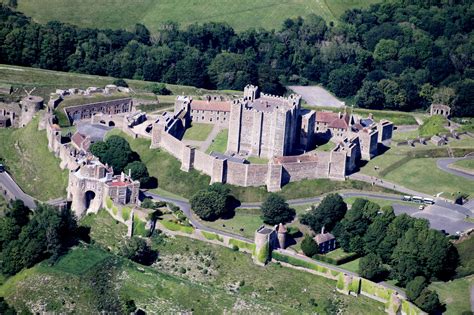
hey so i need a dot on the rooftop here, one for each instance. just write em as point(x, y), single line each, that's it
point(221, 106)
point(322, 238)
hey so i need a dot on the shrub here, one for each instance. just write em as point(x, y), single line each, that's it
point(275, 210)
point(309, 246)
point(120, 82)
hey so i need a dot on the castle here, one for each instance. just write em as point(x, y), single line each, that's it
point(92, 183)
point(271, 127)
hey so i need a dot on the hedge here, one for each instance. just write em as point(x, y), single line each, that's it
point(333, 261)
point(374, 289)
point(264, 255)
point(242, 244)
point(299, 262)
point(212, 236)
point(126, 213)
point(108, 202)
point(172, 226)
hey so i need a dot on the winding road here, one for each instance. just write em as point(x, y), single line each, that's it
point(444, 163)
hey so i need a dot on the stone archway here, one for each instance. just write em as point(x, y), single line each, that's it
point(89, 197)
point(111, 124)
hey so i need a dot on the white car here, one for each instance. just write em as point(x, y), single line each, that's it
point(421, 207)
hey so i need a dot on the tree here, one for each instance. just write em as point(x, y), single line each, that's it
point(371, 267)
point(209, 204)
point(115, 152)
point(159, 89)
point(330, 211)
point(138, 171)
point(276, 210)
point(6, 309)
point(99, 149)
point(370, 96)
point(415, 287)
point(121, 83)
point(138, 250)
point(386, 49)
point(428, 301)
point(309, 246)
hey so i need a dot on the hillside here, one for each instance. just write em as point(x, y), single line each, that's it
point(241, 14)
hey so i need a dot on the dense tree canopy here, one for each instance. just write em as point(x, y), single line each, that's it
point(276, 210)
point(309, 246)
point(330, 211)
point(211, 203)
point(48, 233)
point(393, 55)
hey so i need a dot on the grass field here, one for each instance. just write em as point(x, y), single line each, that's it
point(465, 164)
point(455, 294)
point(257, 160)
point(352, 265)
point(416, 167)
point(220, 142)
point(328, 146)
point(26, 155)
point(198, 132)
point(241, 15)
point(47, 81)
point(245, 222)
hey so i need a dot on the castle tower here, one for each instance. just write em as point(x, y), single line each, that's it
point(251, 92)
point(264, 240)
point(282, 231)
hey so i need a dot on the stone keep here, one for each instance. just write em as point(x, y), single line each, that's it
point(263, 125)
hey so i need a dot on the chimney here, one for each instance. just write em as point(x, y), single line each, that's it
point(122, 177)
point(130, 172)
point(322, 230)
point(340, 115)
point(371, 116)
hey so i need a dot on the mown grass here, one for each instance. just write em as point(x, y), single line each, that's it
point(245, 222)
point(423, 175)
point(241, 15)
point(465, 164)
point(328, 146)
point(79, 260)
point(198, 132)
point(153, 107)
point(25, 153)
point(220, 142)
point(352, 265)
point(257, 160)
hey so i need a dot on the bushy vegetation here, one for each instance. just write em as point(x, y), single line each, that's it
point(275, 210)
point(331, 210)
point(212, 203)
point(138, 250)
point(393, 55)
point(309, 246)
point(26, 239)
point(116, 152)
point(406, 245)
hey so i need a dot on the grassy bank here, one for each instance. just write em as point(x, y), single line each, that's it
point(26, 155)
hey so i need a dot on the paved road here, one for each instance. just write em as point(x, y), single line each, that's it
point(8, 182)
point(186, 208)
point(442, 216)
point(317, 96)
point(443, 164)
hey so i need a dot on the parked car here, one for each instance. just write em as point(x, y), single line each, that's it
point(2, 168)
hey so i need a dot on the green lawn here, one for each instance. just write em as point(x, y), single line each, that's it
point(328, 146)
point(423, 175)
point(432, 126)
point(257, 160)
point(241, 14)
point(26, 155)
point(404, 136)
point(198, 132)
point(352, 265)
point(220, 142)
point(455, 294)
point(166, 168)
point(245, 222)
point(153, 107)
point(465, 164)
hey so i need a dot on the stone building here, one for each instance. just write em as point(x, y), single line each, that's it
point(263, 125)
point(30, 105)
point(92, 182)
point(326, 242)
point(440, 109)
